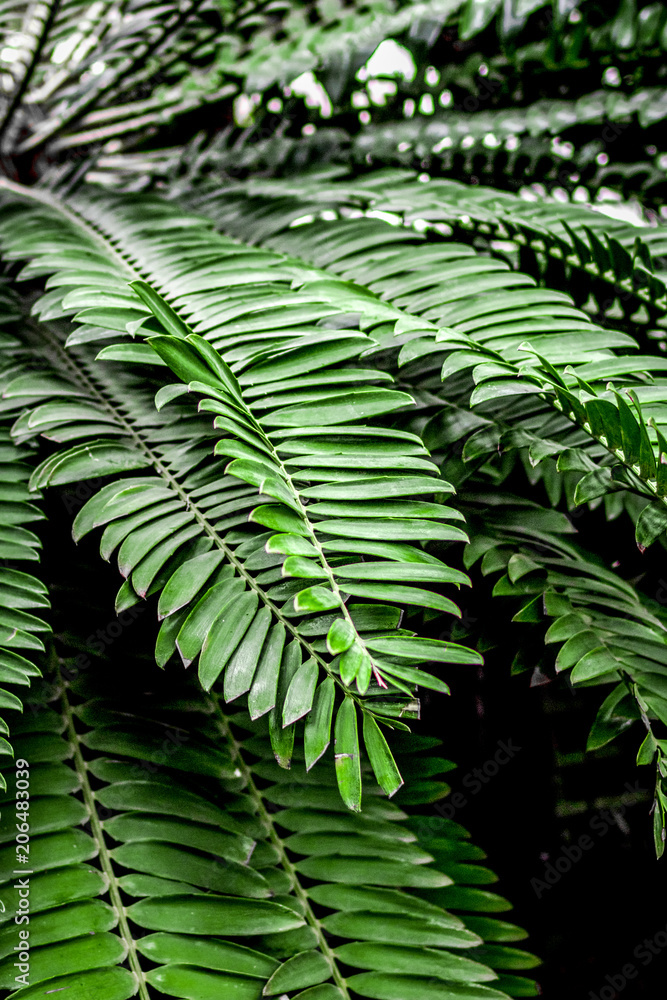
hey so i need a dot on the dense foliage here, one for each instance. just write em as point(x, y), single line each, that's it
point(314, 313)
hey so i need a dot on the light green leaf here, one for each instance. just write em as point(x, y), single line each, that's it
point(207, 914)
point(386, 986)
point(315, 599)
point(190, 983)
point(299, 697)
point(351, 662)
point(278, 517)
point(411, 961)
point(347, 757)
point(317, 733)
point(308, 968)
point(226, 633)
point(210, 953)
point(184, 361)
point(160, 309)
point(112, 984)
point(340, 637)
point(423, 650)
point(383, 764)
point(378, 488)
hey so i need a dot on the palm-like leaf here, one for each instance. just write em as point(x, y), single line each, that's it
point(572, 247)
point(88, 72)
point(303, 447)
point(376, 358)
point(23, 595)
point(249, 443)
point(485, 331)
point(509, 412)
point(468, 111)
point(603, 629)
point(187, 820)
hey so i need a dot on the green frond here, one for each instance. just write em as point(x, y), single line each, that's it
point(604, 630)
point(459, 287)
point(23, 596)
point(259, 457)
point(313, 313)
point(269, 609)
point(602, 262)
point(192, 864)
point(38, 21)
point(503, 420)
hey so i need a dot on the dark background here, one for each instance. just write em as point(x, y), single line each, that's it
point(588, 924)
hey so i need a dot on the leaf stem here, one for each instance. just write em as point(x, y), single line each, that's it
point(98, 835)
point(267, 819)
point(104, 395)
point(106, 399)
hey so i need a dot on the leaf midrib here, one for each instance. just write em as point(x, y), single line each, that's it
point(266, 817)
point(79, 367)
point(106, 864)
